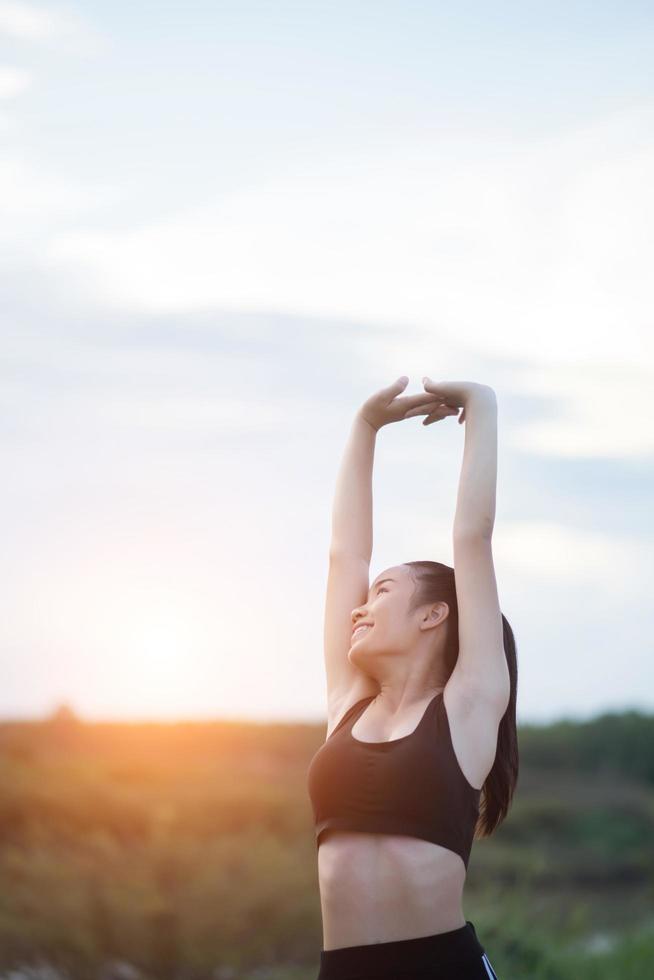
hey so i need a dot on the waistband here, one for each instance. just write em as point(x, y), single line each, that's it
point(456, 945)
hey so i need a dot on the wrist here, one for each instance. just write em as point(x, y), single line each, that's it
point(360, 419)
point(483, 394)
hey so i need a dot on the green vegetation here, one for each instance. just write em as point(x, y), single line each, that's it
point(187, 851)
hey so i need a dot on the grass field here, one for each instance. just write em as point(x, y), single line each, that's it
point(186, 852)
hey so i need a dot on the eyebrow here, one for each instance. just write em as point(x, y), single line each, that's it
point(380, 582)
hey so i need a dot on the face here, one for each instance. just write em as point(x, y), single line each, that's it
point(392, 629)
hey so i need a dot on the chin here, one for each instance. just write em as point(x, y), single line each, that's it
point(357, 657)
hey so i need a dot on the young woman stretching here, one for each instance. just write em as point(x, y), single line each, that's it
point(421, 753)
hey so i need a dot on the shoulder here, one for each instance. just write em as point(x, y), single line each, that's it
point(338, 712)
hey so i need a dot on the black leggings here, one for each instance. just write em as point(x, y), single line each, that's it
point(453, 955)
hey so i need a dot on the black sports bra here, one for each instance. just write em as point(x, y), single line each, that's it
point(411, 785)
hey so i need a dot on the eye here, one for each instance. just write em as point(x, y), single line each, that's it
point(381, 589)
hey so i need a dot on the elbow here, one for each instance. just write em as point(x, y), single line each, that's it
point(480, 530)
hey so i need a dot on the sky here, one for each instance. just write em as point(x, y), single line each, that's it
point(223, 225)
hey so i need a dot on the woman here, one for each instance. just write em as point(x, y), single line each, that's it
point(421, 752)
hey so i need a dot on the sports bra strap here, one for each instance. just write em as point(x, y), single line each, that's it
point(348, 714)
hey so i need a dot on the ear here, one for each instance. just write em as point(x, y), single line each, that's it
point(436, 614)
point(439, 612)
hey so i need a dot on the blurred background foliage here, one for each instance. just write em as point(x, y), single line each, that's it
point(159, 851)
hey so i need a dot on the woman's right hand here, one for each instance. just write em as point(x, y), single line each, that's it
point(386, 405)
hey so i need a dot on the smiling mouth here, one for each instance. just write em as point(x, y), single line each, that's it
point(359, 632)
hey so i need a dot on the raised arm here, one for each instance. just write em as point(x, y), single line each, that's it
point(475, 504)
point(481, 669)
point(352, 507)
point(350, 549)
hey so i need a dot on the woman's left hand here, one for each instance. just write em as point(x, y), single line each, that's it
point(456, 394)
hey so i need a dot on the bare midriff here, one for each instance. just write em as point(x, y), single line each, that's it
point(377, 888)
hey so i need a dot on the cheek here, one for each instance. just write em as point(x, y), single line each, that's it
point(389, 616)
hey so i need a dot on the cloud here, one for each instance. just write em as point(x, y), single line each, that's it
point(536, 246)
point(13, 81)
point(612, 565)
point(30, 193)
point(596, 409)
point(551, 234)
point(52, 26)
point(26, 21)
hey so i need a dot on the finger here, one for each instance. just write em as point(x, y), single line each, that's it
point(441, 388)
point(430, 408)
point(391, 392)
point(441, 413)
point(433, 416)
point(415, 401)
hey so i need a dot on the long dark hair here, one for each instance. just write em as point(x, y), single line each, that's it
point(435, 583)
